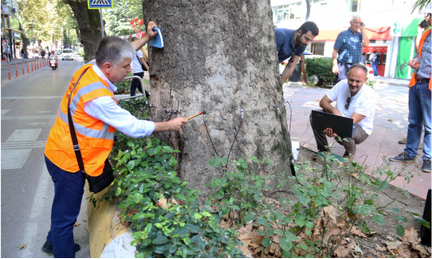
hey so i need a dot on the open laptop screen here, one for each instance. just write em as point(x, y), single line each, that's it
point(342, 126)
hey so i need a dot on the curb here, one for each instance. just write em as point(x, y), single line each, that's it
point(108, 238)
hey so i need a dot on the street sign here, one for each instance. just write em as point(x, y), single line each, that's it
point(99, 4)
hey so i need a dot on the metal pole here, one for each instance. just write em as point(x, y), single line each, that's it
point(102, 28)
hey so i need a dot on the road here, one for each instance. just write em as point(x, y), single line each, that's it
point(28, 110)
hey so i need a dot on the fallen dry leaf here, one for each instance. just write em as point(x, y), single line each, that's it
point(380, 248)
point(257, 239)
point(356, 231)
point(390, 120)
point(244, 237)
point(404, 250)
point(333, 231)
point(341, 252)
point(275, 249)
point(422, 250)
point(392, 245)
point(22, 246)
point(162, 203)
point(245, 248)
point(276, 239)
point(411, 236)
point(246, 229)
point(226, 224)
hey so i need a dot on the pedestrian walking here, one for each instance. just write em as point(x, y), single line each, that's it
point(348, 47)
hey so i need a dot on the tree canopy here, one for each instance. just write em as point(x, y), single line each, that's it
point(118, 18)
point(48, 21)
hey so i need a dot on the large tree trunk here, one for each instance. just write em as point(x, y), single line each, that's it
point(24, 41)
point(89, 26)
point(219, 56)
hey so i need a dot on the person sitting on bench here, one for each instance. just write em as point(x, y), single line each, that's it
point(354, 99)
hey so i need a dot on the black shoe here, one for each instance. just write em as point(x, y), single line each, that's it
point(426, 167)
point(47, 247)
point(401, 157)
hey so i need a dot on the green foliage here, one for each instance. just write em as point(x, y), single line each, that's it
point(239, 191)
point(166, 217)
point(243, 191)
point(124, 86)
point(47, 20)
point(119, 17)
point(321, 68)
point(370, 83)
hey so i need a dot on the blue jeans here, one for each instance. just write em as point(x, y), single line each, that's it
point(68, 191)
point(419, 103)
point(375, 68)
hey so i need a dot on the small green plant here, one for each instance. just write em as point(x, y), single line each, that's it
point(370, 83)
point(318, 193)
point(322, 69)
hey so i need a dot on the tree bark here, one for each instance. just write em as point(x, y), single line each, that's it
point(89, 26)
point(219, 56)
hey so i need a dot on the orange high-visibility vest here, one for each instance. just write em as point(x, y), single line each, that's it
point(94, 136)
point(423, 38)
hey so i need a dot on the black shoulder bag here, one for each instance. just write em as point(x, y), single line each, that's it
point(96, 183)
point(142, 65)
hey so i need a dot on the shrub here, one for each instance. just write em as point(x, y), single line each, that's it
point(322, 69)
point(123, 87)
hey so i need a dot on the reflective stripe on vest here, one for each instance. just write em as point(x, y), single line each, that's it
point(101, 134)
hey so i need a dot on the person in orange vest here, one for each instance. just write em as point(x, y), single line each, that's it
point(419, 101)
point(96, 116)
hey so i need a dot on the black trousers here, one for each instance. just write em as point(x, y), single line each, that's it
point(349, 143)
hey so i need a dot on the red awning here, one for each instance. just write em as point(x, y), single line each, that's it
point(381, 33)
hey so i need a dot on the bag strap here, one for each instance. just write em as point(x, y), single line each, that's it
point(139, 60)
point(76, 146)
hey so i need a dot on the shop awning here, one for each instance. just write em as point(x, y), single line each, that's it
point(380, 33)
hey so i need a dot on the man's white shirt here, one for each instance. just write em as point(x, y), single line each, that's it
point(106, 109)
point(362, 103)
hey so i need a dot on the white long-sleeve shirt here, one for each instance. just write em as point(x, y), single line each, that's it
point(106, 109)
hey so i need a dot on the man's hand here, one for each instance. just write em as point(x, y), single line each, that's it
point(335, 69)
point(150, 34)
point(413, 63)
point(171, 125)
point(150, 26)
point(329, 132)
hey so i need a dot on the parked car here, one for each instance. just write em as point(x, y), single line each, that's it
point(67, 54)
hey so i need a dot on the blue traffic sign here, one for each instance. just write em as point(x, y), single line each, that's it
point(98, 4)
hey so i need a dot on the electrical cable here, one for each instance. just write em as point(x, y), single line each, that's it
point(225, 168)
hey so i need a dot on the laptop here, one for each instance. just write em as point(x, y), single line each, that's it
point(342, 126)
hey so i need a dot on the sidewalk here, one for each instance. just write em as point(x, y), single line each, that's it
point(17, 60)
point(390, 125)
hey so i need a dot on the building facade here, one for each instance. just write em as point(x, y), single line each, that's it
point(10, 28)
point(390, 26)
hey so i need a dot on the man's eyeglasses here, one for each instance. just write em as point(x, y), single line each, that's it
point(348, 101)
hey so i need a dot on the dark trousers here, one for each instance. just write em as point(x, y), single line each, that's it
point(136, 84)
point(68, 192)
point(348, 143)
point(343, 70)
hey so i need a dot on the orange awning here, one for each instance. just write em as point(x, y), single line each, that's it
point(381, 33)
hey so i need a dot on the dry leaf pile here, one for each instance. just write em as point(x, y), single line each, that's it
point(336, 240)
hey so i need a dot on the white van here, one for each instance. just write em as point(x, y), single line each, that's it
point(67, 54)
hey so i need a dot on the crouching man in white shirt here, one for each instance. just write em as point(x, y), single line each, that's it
point(354, 99)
